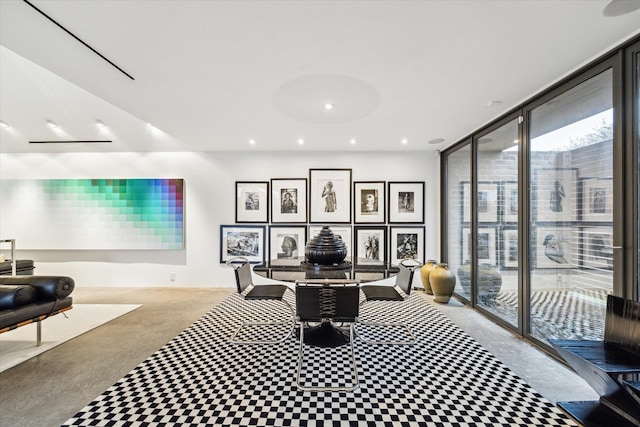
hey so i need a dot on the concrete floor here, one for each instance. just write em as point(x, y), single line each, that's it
point(50, 388)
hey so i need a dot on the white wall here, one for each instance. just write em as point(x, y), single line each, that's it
point(209, 201)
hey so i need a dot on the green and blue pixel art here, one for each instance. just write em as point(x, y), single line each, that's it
point(96, 213)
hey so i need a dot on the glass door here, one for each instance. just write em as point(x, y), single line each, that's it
point(571, 211)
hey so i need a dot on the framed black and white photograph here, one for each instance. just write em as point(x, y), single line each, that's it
point(597, 247)
point(242, 240)
point(486, 245)
point(406, 202)
point(510, 248)
point(344, 232)
point(597, 199)
point(487, 201)
point(556, 197)
point(330, 196)
point(289, 200)
point(554, 247)
point(370, 245)
point(252, 201)
point(406, 242)
point(510, 201)
point(286, 244)
point(369, 202)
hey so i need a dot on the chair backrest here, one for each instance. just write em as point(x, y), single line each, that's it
point(242, 270)
point(622, 323)
point(338, 300)
point(404, 279)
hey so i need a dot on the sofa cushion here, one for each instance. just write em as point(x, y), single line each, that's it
point(12, 296)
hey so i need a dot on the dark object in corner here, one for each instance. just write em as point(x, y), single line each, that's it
point(611, 367)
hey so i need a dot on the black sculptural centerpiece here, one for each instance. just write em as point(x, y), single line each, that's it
point(326, 251)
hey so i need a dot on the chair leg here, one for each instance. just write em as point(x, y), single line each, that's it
point(354, 370)
point(291, 322)
point(410, 341)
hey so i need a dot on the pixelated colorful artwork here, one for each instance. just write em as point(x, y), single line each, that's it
point(93, 213)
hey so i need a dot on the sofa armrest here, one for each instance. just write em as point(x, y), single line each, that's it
point(49, 288)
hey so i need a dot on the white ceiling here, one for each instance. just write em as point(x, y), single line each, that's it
point(211, 75)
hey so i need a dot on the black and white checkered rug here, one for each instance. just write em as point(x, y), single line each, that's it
point(200, 379)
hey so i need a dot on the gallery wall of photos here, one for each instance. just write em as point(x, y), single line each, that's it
point(568, 207)
point(381, 222)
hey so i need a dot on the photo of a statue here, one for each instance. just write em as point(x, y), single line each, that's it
point(289, 247)
point(329, 197)
point(252, 201)
point(555, 199)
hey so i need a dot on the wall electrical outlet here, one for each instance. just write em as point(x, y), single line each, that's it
point(172, 277)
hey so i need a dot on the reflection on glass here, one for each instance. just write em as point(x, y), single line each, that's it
point(458, 214)
point(570, 251)
point(497, 237)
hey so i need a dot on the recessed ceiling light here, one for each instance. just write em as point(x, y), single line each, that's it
point(4, 125)
point(353, 141)
point(436, 141)
point(328, 106)
point(100, 124)
point(493, 103)
point(252, 141)
point(51, 124)
point(515, 141)
point(300, 141)
point(405, 141)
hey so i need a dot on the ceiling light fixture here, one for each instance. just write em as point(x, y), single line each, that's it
point(300, 141)
point(405, 141)
point(4, 125)
point(51, 124)
point(493, 103)
point(353, 141)
point(328, 106)
point(436, 141)
point(252, 142)
point(100, 124)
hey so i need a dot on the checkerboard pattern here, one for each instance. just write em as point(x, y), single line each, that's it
point(200, 379)
point(562, 314)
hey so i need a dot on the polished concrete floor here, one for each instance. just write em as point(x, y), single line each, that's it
point(50, 388)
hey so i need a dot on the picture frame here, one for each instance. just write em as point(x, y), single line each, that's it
point(405, 202)
point(252, 201)
point(486, 245)
point(369, 202)
point(289, 200)
point(596, 197)
point(370, 245)
point(509, 251)
point(403, 240)
point(555, 195)
point(242, 240)
point(286, 244)
point(597, 248)
point(510, 201)
point(345, 232)
point(487, 199)
point(330, 196)
point(554, 247)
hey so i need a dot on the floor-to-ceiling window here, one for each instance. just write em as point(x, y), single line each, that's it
point(541, 206)
point(496, 239)
point(571, 211)
point(459, 207)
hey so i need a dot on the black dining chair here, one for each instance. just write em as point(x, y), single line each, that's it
point(251, 292)
point(328, 302)
point(399, 291)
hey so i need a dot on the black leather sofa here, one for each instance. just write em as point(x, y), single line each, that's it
point(29, 299)
point(23, 267)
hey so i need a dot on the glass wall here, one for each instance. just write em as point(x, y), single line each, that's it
point(531, 203)
point(459, 211)
point(571, 244)
point(497, 218)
